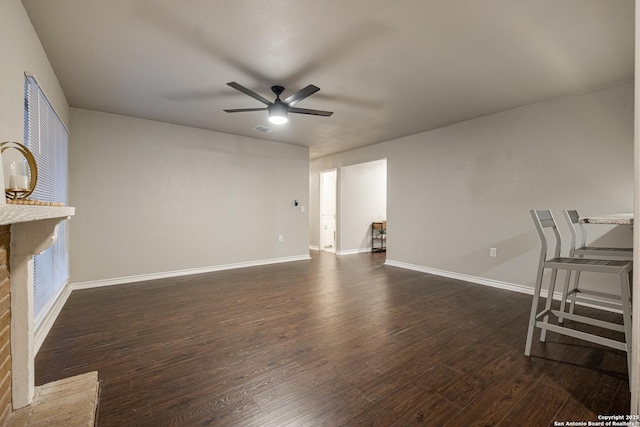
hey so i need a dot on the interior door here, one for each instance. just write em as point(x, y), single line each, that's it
point(328, 228)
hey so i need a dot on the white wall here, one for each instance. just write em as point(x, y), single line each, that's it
point(363, 199)
point(457, 191)
point(153, 197)
point(21, 51)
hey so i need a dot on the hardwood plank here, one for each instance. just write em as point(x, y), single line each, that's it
point(464, 389)
point(433, 410)
point(335, 341)
point(539, 406)
point(418, 372)
point(487, 410)
point(407, 400)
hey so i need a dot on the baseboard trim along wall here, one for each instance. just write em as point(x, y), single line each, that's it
point(186, 272)
point(50, 316)
point(485, 282)
point(464, 277)
point(345, 252)
point(353, 251)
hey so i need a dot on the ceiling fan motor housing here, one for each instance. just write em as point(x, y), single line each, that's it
point(278, 108)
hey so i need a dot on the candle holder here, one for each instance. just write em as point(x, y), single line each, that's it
point(19, 186)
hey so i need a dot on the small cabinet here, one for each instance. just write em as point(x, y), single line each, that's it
point(379, 236)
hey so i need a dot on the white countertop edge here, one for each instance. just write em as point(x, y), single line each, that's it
point(614, 219)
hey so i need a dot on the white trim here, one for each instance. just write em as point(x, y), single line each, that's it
point(487, 282)
point(353, 251)
point(186, 272)
point(51, 314)
point(458, 276)
point(314, 248)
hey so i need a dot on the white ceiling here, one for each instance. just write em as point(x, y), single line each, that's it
point(386, 68)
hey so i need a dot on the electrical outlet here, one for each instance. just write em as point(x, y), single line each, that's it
point(302, 209)
point(280, 238)
point(493, 252)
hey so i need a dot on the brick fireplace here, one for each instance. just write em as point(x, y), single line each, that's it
point(5, 325)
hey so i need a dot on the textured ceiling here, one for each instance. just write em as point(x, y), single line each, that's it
point(386, 68)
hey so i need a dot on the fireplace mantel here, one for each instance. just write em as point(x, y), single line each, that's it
point(12, 214)
point(33, 229)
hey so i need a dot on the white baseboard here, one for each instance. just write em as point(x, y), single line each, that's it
point(487, 282)
point(346, 252)
point(353, 251)
point(50, 317)
point(186, 272)
point(473, 279)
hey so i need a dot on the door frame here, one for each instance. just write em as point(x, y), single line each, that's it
point(322, 202)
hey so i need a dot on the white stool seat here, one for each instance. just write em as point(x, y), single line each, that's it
point(620, 253)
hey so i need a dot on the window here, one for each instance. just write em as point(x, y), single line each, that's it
point(47, 138)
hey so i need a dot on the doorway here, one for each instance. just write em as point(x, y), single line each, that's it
point(328, 207)
point(363, 207)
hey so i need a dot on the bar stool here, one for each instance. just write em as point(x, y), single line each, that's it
point(543, 219)
point(625, 254)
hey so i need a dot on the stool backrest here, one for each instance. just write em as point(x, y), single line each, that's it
point(573, 219)
point(544, 219)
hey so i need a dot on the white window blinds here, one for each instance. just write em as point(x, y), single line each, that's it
point(47, 139)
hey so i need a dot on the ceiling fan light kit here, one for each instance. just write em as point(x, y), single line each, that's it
point(278, 113)
point(279, 109)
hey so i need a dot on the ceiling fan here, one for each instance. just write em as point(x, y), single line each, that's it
point(280, 109)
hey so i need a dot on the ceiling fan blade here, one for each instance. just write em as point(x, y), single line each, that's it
point(300, 95)
point(249, 92)
point(311, 112)
point(244, 110)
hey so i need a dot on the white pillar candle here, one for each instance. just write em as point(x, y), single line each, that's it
point(18, 182)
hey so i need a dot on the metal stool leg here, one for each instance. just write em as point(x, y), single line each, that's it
point(534, 310)
point(565, 291)
point(552, 287)
point(626, 315)
point(572, 306)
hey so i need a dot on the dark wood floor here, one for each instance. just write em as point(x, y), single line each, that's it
point(335, 341)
